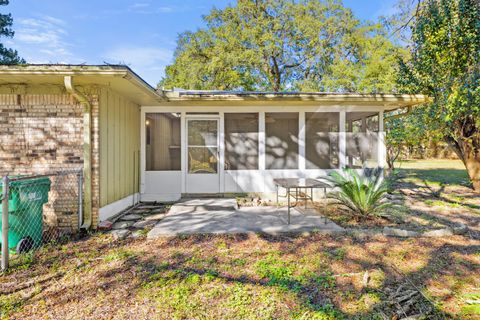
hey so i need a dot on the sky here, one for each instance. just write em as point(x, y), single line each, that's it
point(139, 33)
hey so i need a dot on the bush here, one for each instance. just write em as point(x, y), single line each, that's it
point(362, 195)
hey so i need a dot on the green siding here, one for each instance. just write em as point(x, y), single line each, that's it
point(119, 146)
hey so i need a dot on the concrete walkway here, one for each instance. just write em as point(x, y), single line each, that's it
point(220, 216)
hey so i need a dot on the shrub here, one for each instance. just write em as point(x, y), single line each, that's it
point(362, 195)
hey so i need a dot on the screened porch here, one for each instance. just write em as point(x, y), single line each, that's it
point(237, 152)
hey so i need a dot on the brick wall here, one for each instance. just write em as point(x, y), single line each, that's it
point(44, 133)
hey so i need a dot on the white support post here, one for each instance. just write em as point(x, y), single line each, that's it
point(183, 149)
point(301, 141)
point(261, 141)
point(382, 149)
point(342, 139)
point(222, 152)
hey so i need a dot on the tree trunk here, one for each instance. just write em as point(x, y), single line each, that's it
point(473, 168)
point(468, 150)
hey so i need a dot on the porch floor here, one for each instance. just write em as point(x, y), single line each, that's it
point(221, 216)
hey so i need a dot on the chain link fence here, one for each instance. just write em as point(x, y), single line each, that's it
point(38, 209)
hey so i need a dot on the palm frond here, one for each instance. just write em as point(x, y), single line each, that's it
point(360, 194)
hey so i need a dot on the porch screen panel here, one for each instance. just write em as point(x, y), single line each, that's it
point(362, 139)
point(202, 146)
point(321, 140)
point(241, 141)
point(281, 143)
point(162, 141)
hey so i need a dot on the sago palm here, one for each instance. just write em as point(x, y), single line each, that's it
point(362, 195)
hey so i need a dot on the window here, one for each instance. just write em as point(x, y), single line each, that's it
point(162, 150)
point(321, 140)
point(281, 149)
point(362, 139)
point(241, 141)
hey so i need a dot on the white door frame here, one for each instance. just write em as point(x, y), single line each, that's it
point(209, 176)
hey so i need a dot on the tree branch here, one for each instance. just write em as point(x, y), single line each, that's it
point(405, 25)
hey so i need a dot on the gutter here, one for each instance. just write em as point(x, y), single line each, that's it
point(87, 151)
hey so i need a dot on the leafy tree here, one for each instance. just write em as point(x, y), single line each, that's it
point(7, 56)
point(445, 64)
point(276, 45)
point(409, 131)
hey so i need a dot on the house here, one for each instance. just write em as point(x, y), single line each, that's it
point(136, 143)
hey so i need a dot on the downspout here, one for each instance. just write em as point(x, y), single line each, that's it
point(87, 151)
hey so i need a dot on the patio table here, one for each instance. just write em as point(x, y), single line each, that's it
point(294, 186)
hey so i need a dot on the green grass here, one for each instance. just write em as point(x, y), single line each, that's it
point(434, 172)
point(440, 203)
point(473, 307)
point(119, 254)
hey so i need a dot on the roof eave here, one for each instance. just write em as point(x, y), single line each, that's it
point(97, 71)
point(388, 99)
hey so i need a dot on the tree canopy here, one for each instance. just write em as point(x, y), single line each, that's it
point(445, 64)
point(7, 56)
point(279, 45)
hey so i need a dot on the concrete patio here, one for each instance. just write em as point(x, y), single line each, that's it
point(221, 216)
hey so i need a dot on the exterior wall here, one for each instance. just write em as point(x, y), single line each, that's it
point(41, 133)
point(95, 127)
point(119, 123)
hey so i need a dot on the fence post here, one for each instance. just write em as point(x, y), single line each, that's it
point(5, 252)
point(80, 198)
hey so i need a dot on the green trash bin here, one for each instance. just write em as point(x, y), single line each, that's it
point(25, 206)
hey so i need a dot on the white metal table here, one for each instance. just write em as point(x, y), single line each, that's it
point(294, 187)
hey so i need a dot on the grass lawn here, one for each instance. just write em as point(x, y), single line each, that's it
point(244, 277)
point(434, 172)
point(256, 276)
point(439, 191)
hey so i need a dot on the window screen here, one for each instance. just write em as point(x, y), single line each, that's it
point(281, 149)
point(241, 141)
point(162, 147)
point(321, 140)
point(362, 139)
point(202, 146)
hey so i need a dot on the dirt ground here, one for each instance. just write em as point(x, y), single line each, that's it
point(425, 199)
point(246, 276)
point(264, 277)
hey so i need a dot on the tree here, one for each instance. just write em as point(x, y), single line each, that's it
point(407, 131)
point(445, 64)
point(277, 45)
point(7, 56)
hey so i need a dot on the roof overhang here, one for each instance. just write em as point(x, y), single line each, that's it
point(387, 101)
point(25, 78)
point(117, 77)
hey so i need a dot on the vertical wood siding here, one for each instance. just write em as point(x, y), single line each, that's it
point(119, 147)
